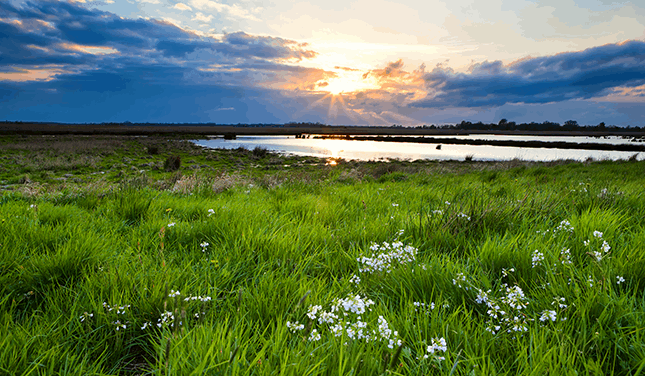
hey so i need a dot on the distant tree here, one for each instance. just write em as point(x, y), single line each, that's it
point(570, 124)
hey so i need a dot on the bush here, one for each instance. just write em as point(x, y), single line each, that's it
point(172, 163)
point(260, 152)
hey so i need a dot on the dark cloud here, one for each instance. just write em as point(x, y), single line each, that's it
point(52, 26)
point(243, 44)
point(572, 75)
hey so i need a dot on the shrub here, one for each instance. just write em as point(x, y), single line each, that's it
point(260, 152)
point(172, 163)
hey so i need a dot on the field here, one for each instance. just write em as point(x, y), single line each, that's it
point(151, 256)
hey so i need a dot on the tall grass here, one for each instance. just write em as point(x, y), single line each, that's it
point(163, 282)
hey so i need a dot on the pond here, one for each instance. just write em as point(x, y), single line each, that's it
point(375, 150)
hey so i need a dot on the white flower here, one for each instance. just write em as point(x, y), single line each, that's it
point(619, 280)
point(86, 315)
point(314, 336)
point(327, 318)
point(313, 309)
point(505, 272)
point(605, 246)
point(438, 344)
point(459, 278)
point(211, 212)
point(171, 224)
point(395, 205)
point(515, 297)
point(295, 326)
point(173, 293)
point(564, 226)
point(565, 257)
point(548, 315)
point(559, 301)
point(597, 234)
point(537, 258)
point(389, 257)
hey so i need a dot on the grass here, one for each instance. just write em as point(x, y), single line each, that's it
point(240, 266)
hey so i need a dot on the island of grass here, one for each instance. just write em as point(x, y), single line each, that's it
point(149, 255)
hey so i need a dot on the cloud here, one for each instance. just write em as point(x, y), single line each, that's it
point(234, 11)
point(202, 18)
point(62, 61)
point(347, 69)
point(51, 32)
point(182, 6)
point(586, 74)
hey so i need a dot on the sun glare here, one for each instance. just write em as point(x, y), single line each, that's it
point(348, 82)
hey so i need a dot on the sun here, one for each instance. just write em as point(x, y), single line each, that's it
point(347, 82)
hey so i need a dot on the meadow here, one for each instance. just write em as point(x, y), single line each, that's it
point(151, 256)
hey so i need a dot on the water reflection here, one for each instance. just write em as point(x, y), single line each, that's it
point(374, 150)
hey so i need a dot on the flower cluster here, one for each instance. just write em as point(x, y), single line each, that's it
point(459, 279)
point(505, 312)
point(604, 193)
point(345, 318)
point(166, 319)
point(565, 256)
point(537, 258)
point(295, 326)
point(386, 257)
point(120, 310)
point(548, 315)
point(564, 227)
point(437, 344)
point(599, 254)
point(423, 307)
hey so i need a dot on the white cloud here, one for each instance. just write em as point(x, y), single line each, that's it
point(232, 10)
point(149, 1)
point(182, 6)
point(202, 18)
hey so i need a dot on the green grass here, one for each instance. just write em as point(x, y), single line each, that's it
point(85, 266)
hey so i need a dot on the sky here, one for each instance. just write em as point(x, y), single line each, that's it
point(337, 62)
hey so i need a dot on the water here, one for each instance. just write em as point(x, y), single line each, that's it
point(374, 150)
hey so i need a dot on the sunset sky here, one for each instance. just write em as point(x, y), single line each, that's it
point(363, 62)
